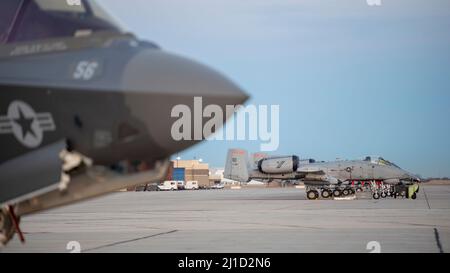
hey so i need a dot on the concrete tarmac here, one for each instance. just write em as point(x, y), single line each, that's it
point(246, 220)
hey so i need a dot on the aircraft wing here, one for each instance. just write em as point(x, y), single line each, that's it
point(31, 174)
point(310, 169)
point(316, 173)
point(97, 180)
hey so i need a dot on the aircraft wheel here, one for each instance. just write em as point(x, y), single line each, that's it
point(345, 192)
point(326, 194)
point(414, 196)
point(312, 195)
point(376, 196)
point(336, 193)
point(383, 195)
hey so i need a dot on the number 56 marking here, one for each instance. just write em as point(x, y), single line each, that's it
point(85, 70)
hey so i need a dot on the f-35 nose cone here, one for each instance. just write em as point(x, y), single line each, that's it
point(158, 81)
point(157, 71)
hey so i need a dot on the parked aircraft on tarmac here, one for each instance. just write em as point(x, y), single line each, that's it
point(326, 179)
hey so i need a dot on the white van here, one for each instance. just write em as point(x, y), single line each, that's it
point(168, 186)
point(180, 184)
point(191, 185)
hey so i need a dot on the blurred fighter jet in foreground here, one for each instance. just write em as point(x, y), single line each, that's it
point(78, 96)
point(337, 178)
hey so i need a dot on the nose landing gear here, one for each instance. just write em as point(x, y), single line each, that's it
point(379, 189)
point(9, 224)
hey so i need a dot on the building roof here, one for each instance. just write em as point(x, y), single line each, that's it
point(190, 164)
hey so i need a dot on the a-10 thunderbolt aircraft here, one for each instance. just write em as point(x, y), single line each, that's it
point(77, 96)
point(326, 179)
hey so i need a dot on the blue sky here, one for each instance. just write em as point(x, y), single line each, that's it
point(351, 80)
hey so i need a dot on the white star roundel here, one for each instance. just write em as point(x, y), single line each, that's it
point(25, 124)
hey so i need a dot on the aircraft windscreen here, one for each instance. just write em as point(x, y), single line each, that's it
point(380, 161)
point(43, 19)
point(383, 161)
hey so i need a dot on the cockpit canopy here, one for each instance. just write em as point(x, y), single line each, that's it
point(28, 20)
point(380, 161)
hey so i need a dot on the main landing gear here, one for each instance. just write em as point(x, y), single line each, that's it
point(378, 189)
point(313, 193)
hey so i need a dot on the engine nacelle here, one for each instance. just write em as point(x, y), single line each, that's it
point(278, 165)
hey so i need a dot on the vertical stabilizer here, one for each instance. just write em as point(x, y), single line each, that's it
point(236, 166)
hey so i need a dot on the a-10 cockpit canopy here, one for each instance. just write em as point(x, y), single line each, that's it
point(380, 161)
point(28, 20)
